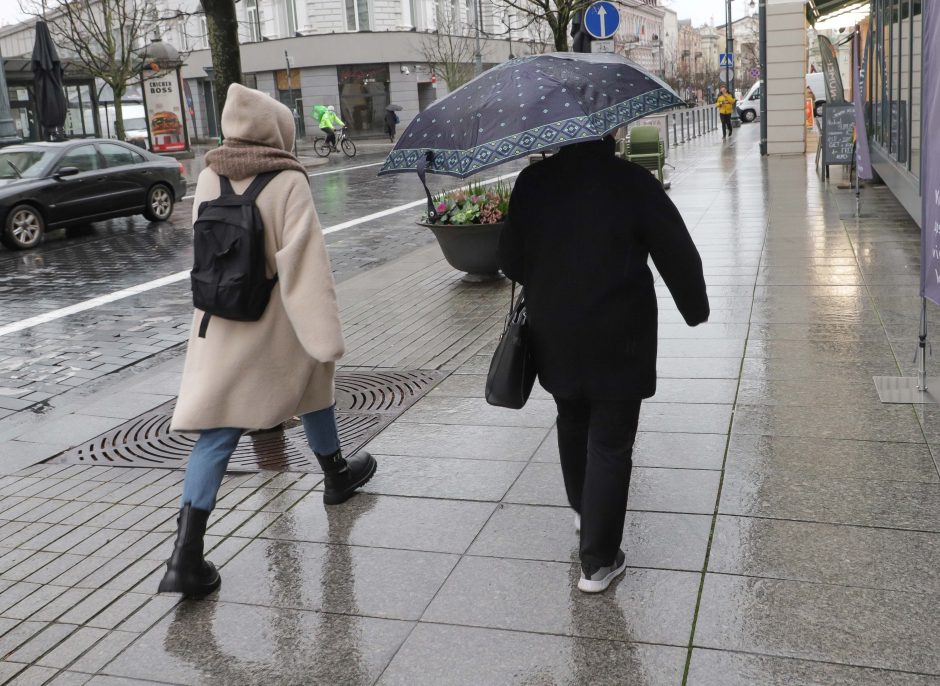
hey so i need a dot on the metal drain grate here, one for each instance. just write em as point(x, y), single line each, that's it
point(366, 402)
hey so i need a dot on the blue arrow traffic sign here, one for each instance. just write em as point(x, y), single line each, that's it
point(726, 59)
point(601, 19)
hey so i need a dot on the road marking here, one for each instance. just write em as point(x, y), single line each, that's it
point(345, 169)
point(53, 315)
point(332, 171)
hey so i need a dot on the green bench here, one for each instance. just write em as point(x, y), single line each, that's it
point(644, 147)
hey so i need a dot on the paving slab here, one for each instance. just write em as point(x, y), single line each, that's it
point(853, 626)
point(466, 656)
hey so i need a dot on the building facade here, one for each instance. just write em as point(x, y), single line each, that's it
point(641, 33)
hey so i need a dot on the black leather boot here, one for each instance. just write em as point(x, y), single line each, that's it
point(187, 572)
point(341, 477)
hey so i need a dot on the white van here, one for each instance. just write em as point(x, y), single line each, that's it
point(749, 106)
point(135, 123)
point(816, 82)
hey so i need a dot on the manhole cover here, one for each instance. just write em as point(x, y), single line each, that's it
point(366, 402)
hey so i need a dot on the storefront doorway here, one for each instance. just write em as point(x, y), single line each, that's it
point(363, 97)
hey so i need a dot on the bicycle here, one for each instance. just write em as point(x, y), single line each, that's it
point(323, 149)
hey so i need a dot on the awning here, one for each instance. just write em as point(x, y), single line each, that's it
point(836, 13)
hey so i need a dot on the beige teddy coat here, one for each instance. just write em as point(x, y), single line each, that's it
point(253, 375)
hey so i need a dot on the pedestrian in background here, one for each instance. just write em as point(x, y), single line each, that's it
point(725, 104)
point(243, 375)
point(391, 121)
point(581, 227)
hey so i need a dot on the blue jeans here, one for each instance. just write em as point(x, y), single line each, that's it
point(214, 447)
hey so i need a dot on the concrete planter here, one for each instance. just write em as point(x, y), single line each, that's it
point(471, 248)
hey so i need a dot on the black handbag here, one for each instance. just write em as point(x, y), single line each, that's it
point(512, 369)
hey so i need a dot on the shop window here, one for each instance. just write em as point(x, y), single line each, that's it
point(357, 15)
point(363, 96)
point(895, 77)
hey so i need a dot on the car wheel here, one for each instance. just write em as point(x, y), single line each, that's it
point(159, 204)
point(749, 115)
point(818, 110)
point(23, 229)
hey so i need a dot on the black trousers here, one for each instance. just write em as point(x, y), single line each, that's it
point(330, 136)
point(595, 440)
point(725, 124)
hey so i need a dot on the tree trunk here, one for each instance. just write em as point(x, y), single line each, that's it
point(561, 39)
point(118, 90)
point(222, 23)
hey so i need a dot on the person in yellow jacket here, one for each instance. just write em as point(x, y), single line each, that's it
point(725, 104)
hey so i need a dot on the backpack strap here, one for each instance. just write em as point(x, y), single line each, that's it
point(204, 324)
point(258, 184)
point(226, 186)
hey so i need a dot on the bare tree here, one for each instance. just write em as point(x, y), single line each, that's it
point(103, 35)
point(449, 50)
point(555, 14)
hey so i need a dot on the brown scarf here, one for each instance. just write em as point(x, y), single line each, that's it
point(238, 159)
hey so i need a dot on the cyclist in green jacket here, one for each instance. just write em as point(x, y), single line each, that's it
point(329, 122)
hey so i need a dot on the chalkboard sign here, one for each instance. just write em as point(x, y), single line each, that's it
point(838, 133)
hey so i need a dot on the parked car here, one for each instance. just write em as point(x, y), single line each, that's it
point(748, 107)
point(45, 186)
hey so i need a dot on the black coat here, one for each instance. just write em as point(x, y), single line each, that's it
point(581, 227)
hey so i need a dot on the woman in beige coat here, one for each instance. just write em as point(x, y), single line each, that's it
point(253, 375)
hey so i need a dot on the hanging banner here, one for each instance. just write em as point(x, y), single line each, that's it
point(163, 101)
point(859, 69)
point(835, 92)
point(930, 156)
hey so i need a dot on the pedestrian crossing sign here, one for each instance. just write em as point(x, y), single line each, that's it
point(726, 60)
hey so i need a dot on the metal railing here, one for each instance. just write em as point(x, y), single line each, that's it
point(686, 124)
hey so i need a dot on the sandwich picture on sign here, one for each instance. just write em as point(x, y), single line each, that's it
point(162, 98)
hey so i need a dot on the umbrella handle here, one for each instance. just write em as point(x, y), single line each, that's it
point(421, 167)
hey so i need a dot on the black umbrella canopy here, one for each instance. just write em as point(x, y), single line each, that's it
point(47, 81)
point(527, 105)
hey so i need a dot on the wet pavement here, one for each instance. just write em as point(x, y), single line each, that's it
point(782, 525)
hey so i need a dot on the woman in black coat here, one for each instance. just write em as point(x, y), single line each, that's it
point(582, 225)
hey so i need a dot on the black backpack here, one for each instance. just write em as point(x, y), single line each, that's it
point(229, 278)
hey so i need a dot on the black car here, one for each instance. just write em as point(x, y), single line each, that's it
point(47, 186)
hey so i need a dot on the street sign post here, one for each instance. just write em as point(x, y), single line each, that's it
point(601, 20)
point(602, 46)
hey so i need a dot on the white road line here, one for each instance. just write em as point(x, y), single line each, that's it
point(332, 171)
point(345, 169)
point(53, 315)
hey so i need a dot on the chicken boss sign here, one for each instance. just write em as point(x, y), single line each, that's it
point(163, 101)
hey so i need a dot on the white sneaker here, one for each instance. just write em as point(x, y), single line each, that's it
point(577, 522)
point(597, 580)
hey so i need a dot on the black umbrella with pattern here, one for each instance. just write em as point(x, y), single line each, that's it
point(527, 105)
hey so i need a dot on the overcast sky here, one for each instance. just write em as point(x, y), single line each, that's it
point(702, 11)
point(699, 11)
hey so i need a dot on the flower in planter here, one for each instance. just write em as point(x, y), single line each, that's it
point(475, 204)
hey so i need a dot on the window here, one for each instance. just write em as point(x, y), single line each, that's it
point(363, 96)
point(23, 163)
point(291, 14)
point(84, 158)
point(357, 15)
point(203, 38)
point(118, 155)
point(254, 21)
